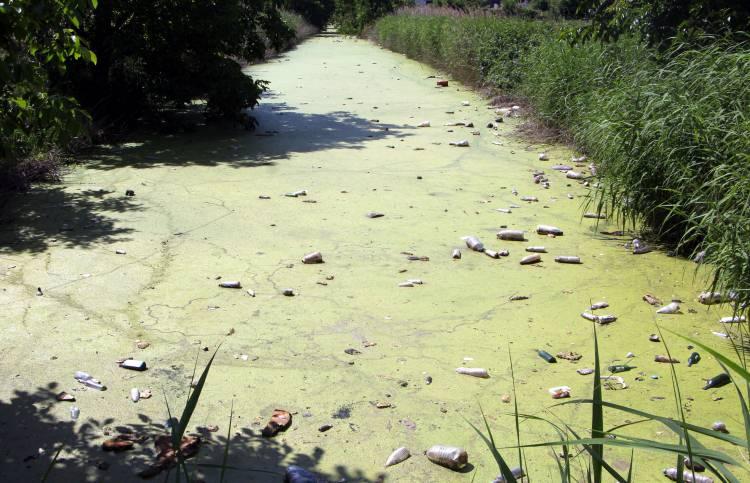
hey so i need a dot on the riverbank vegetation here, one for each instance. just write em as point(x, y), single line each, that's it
point(664, 118)
point(77, 70)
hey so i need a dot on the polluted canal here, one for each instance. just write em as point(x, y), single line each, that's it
point(388, 339)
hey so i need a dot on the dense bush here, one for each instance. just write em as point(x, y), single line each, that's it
point(667, 129)
point(37, 37)
point(661, 23)
point(154, 54)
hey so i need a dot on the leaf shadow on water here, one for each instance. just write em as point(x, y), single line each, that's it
point(80, 216)
point(46, 214)
point(283, 131)
point(28, 424)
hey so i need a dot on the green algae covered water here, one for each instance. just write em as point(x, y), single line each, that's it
point(340, 122)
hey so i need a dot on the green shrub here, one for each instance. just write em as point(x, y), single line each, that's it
point(37, 38)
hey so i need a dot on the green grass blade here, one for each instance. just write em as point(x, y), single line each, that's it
point(217, 466)
point(490, 442)
point(226, 446)
point(597, 416)
point(680, 411)
point(674, 425)
point(52, 464)
point(743, 406)
point(192, 401)
point(637, 443)
point(515, 412)
point(605, 466)
point(630, 466)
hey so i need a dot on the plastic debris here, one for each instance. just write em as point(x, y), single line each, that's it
point(230, 284)
point(559, 392)
point(473, 371)
point(449, 456)
point(314, 257)
point(672, 308)
point(86, 379)
point(511, 235)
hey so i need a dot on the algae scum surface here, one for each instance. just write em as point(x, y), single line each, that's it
point(340, 122)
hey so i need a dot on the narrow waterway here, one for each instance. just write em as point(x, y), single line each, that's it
point(340, 121)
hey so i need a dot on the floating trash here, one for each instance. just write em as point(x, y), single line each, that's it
point(424, 124)
point(720, 427)
point(135, 394)
point(665, 359)
point(597, 216)
point(732, 320)
point(374, 214)
point(693, 359)
point(619, 368)
point(511, 235)
point(461, 144)
point(314, 257)
point(568, 259)
point(473, 371)
point(569, 356)
point(295, 194)
point(133, 365)
point(517, 473)
point(230, 284)
point(549, 230)
point(616, 379)
point(559, 392)
point(449, 456)
point(672, 308)
point(717, 381)
point(86, 379)
point(280, 420)
point(456, 254)
point(530, 259)
point(599, 305)
point(687, 476)
point(543, 157)
point(546, 356)
point(650, 299)
point(585, 371)
point(574, 175)
point(399, 455)
point(64, 396)
point(536, 249)
point(473, 243)
point(599, 319)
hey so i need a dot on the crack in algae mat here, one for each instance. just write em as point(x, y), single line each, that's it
point(339, 122)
